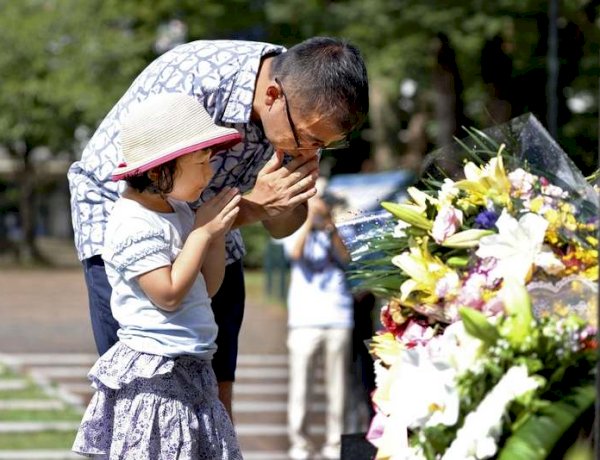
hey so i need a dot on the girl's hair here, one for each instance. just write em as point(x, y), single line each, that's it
point(163, 183)
point(326, 75)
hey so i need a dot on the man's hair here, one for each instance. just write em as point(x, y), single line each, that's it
point(326, 75)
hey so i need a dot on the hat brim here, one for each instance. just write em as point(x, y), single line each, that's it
point(218, 144)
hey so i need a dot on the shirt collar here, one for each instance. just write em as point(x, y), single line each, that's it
point(238, 108)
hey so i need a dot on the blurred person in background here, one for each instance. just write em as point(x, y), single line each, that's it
point(320, 321)
point(294, 102)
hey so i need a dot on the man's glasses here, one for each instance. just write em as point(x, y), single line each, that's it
point(337, 145)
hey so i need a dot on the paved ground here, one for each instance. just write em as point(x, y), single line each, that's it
point(47, 311)
point(44, 311)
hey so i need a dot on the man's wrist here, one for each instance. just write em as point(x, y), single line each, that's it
point(250, 212)
point(287, 223)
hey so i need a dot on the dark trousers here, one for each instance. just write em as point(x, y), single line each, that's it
point(104, 325)
point(227, 304)
point(364, 368)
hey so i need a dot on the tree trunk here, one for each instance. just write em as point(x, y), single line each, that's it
point(28, 251)
point(416, 141)
point(383, 131)
point(496, 72)
point(447, 86)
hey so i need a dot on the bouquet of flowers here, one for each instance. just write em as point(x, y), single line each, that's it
point(489, 347)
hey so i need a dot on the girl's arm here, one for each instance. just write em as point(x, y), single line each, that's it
point(213, 268)
point(168, 286)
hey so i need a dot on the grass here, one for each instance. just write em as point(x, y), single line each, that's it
point(7, 374)
point(63, 415)
point(256, 292)
point(30, 392)
point(32, 441)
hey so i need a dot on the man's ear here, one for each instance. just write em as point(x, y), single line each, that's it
point(272, 93)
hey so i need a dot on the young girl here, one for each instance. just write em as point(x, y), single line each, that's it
point(156, 393)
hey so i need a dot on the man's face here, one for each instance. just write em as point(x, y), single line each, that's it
point(297, 133)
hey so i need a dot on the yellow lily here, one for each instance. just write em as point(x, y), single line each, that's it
point(487, 182)
point(385, 347)
point(414, 211)
point(409, 213)
point(465, 239)
point(424, 269)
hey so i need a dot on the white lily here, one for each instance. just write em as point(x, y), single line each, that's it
point(426, 392)
point(420, 198)
point(477, 438)
point(448, 192)
point(462, 349)
point(516, 246)
point(418, 390)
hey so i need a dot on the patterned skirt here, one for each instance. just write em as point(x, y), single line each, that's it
point(149, 407)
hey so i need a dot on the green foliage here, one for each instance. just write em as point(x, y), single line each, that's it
point(397, 39)
point(256, 240)
point(64, 63)
point(377, 274)
point(537, 437)
point(67, 62)
point(42, 440)
point(478, 326)
point(518, 323)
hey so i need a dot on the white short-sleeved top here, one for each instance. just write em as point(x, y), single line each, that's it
point(221, 74)
point(318, 294)
point(138, 241)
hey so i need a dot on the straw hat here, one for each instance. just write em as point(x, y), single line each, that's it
point(164, 127)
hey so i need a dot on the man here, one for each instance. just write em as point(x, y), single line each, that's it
point(293, 102)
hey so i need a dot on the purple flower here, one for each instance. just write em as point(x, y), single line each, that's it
point(486, 219)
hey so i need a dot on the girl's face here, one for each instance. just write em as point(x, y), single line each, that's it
point(192, 175)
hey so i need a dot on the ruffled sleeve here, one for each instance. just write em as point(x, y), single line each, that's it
point(137, 248)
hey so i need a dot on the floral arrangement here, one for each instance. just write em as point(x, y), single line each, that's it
point(489, 348)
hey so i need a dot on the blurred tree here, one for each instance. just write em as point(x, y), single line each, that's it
point(398, 40)
point(62, 65)
point(66, 62)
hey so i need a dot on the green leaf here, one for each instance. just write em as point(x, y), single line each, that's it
point(517, 303)
point(536, 438)
point(477, 325)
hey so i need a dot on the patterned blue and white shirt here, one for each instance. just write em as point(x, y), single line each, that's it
point(222, 75)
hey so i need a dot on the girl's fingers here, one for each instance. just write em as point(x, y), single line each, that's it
point(226, 196)
point(233, 202)
point(232, 214)
point(220, 200)
point(232, 209)
point(228, 218)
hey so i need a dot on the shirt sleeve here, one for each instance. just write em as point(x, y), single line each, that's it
point(137, 248)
